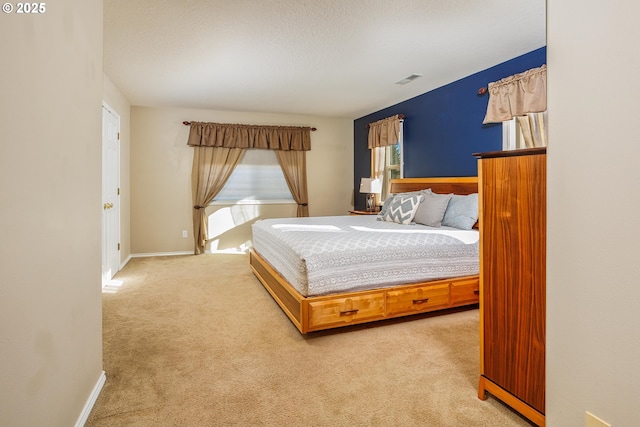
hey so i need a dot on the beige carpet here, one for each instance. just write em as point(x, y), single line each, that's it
point(197, 341)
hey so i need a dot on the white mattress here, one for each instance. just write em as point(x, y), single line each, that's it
point(323, 255)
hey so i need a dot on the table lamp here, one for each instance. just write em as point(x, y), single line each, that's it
point(370, 186)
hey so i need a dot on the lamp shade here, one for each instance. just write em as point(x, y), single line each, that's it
point(370, 185)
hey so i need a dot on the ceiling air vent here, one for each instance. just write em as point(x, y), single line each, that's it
point(408, 79)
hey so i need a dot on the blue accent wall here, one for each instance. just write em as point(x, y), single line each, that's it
point(443, 127)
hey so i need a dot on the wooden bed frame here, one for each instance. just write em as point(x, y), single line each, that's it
point(311, 314)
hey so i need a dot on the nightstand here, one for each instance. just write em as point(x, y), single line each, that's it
point(352, 212)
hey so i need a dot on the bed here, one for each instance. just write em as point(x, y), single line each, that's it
point(328, 272)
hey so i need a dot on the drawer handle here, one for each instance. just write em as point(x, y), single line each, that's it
point(476, 292)
point(420, 301)
point(348, 312)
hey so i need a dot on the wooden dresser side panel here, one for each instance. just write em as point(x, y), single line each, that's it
point(513, 274)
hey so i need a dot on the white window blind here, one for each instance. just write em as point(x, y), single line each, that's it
point(258, 178)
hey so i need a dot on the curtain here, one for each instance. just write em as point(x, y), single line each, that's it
point(534, 129)
point(294, 168)
point(378, 163)
point(384, 132)
point(219, 148)
point(517, 95)
point(212, 167)
point(249, 136)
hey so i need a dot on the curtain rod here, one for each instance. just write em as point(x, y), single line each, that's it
point(186, 123)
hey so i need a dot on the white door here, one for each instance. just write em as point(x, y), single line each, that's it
point(110, 193)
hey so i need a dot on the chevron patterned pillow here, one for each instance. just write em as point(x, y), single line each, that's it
point(403, 208)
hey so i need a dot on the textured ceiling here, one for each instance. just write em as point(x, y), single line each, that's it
point(338, 58)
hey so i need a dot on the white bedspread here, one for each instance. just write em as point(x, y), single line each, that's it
point(323, 255)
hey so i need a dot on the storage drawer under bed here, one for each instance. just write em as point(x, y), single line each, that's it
point(417, 300)
point(465, 292)
point(342, 311)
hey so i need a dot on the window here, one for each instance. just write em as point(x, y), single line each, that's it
point(387, 164)
point(258, 178)
point(393, 160)
point(511, 135)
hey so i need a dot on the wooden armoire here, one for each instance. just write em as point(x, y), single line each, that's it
point(512, 221)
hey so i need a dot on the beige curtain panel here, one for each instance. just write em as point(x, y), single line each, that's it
point(384, 132)
point(517, 95)
point(294, 168)
point(378, 162)
point(534, 129)
point(283, 138)
point(211, 170)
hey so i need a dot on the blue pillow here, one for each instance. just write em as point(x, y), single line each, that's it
point(462, 212)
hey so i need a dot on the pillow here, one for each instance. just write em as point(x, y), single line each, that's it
point(402, 208)
point(432, 209)
point(385, 206)
point(462, 212)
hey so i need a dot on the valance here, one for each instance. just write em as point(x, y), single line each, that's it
point(384, 132)
point(224, 135)
point(517, 95)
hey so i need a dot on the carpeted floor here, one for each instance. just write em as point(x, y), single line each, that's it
point(197, 341)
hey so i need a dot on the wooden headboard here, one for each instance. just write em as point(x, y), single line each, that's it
point(456, 185)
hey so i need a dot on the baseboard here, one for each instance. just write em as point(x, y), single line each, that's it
point(160, 254)
point(125, 262)
point(84, 415)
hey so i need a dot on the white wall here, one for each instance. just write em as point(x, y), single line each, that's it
point(50, 206)
point(161, 205)
point(593, 286)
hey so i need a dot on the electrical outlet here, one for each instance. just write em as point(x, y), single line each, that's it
point(593, 421)
point(184, 233)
